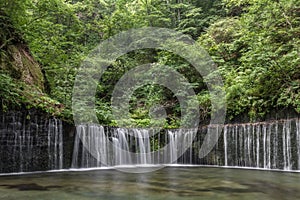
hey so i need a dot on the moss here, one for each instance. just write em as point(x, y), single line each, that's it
point(34, 69)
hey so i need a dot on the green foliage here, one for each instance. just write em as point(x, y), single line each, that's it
point(255, 44)
point(16, 94)
point(9, 93)
point(34, 99)
point(258, 55)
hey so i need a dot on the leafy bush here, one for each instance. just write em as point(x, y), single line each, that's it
point(9, 92)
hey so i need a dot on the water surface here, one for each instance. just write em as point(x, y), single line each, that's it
point(171, 183)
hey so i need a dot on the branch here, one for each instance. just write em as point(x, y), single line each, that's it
point(287, 20)
point(5, 43)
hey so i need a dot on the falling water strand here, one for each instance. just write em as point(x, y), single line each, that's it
point(288, 145)
point(249, 145)
point(236, 144)
point(246, 161)
point(55, 142)
point(257, 144)
point(76, 148)
point(275, 146)
point(241, 147)
point(225, 145)
point(298, 141)
point(269, 132)
point(253, 145)
point(264, 129)
point(60, 133)
point(173, 146)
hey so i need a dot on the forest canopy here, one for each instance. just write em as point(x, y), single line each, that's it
point(254, 43)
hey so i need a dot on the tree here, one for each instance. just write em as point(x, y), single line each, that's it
point(258, 55)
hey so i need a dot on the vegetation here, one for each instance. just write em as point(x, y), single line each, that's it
point(255, 44)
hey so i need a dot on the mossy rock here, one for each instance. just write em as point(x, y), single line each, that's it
point(22, 66)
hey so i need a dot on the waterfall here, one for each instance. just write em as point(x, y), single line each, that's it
point(123, 148)
point(267, 145)
point(55, 144)
point(120, 146)
point(286, 141)
point(263, 145)
point(173, 142)
point(35, 144)
point(275, 146)
point(30, 143)
point(142, 146)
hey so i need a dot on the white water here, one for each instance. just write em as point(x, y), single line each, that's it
point(272, 145)
point(173, 136)
point(94, 147)
point(55, 144)
point(225, 145)
point(298, 140)
point(58, 144)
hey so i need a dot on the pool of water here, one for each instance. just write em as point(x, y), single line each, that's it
point(171, 183)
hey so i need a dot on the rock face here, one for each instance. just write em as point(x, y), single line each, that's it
point(19, 64)
point(24, 66)
point(25, 139)
point(32, 141)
